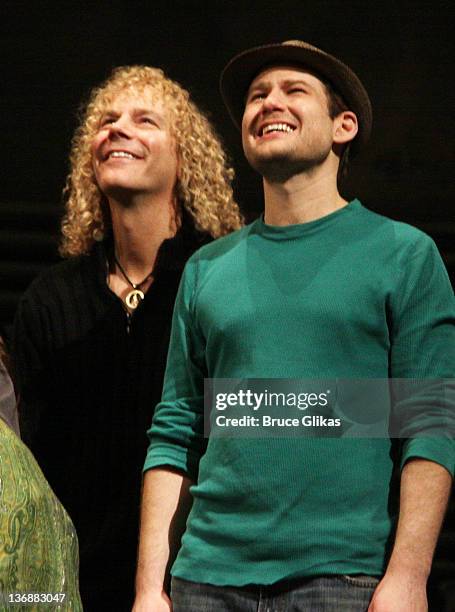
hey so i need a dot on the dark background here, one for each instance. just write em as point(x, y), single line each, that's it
point(54, 53)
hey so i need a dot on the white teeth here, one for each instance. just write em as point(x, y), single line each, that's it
point(277, 127)
point(121, 154)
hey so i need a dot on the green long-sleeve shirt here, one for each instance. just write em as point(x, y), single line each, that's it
point(350, 295)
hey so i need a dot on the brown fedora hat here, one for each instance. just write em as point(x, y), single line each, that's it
point(242, 69)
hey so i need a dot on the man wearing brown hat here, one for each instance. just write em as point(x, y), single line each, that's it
point(317, 288)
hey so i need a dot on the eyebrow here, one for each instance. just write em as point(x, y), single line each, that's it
point(264, 84)
point(136, 111)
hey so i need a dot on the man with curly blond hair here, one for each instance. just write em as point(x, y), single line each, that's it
point(149, 183)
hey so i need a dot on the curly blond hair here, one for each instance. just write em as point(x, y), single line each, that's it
point(203, 186)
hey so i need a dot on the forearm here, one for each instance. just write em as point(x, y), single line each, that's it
point(425, 489)
point(165, 505)
point(424, 493)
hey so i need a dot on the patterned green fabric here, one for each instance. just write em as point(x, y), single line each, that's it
point(38, 543)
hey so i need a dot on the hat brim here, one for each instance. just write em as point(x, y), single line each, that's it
point(243, 68)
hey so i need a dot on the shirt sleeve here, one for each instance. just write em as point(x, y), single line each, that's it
point(177, 432)
point(8, 408)
point(423, 356)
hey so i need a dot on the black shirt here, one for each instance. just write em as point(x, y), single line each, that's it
point(89, 378)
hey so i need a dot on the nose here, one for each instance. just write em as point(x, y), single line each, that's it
point(120, 128)
point(274, 100)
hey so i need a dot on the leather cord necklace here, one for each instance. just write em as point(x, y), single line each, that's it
point(135, 296)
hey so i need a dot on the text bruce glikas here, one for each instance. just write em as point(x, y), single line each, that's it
point(271, 401)
point(265, 399)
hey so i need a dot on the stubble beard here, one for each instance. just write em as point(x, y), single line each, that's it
point(279, 168)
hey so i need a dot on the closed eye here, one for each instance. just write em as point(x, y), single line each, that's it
point(107, 120)
point(258, 95)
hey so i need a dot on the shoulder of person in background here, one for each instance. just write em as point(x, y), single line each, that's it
point(8, 406)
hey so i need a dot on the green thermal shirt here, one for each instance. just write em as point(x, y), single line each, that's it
point(350, 295)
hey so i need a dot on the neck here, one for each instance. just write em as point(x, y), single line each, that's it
point(301, 198)
point(139, 230)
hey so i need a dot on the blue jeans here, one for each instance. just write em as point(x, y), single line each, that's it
point(321, 594)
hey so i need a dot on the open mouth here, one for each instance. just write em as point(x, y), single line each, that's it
point(276, 127)
point(121, 155)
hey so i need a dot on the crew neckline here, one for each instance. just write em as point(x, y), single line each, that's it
point(287, 232)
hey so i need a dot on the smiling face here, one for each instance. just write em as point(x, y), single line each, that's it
point(133, 151)
point(286, 127)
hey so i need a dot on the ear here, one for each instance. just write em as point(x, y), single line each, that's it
point(345, 127)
